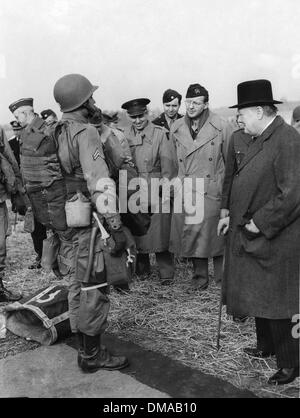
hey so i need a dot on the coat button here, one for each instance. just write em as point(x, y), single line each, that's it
point(208, 176)
point(212, 143)
point(210, 159)
point(180, 160)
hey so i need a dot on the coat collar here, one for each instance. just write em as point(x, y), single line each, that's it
point(257, 146)
point(207, 133)
point(137, 138)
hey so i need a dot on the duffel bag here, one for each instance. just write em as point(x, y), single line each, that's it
point(41, 317)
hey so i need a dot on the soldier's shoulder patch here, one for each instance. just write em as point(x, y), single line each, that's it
point(96, 154)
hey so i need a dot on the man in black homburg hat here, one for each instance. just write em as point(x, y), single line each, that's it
point(171, 102)
point(261, 277)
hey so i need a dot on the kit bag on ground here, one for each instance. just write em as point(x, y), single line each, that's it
point(41, 317)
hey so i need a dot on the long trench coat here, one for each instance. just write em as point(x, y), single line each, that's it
point(262, 271)
point(154, 156)
point(202, 158)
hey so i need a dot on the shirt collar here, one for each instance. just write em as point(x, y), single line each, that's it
point(268, 124)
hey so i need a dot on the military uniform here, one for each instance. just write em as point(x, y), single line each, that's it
point(10, 183)
point(201, 155)
point(154, 157)
point(163, 121)
point(39, 234)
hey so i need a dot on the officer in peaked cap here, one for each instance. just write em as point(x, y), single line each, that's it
point(14, 141)
point(49, 116)
point(136, 107)
point(154, 157)
point(31, 123)
point(15, 126)
point(171, 102)
point(20, 103)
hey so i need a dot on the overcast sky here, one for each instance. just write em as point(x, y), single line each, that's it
point(139, 48)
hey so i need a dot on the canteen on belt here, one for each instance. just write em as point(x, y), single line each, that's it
point(78, 211)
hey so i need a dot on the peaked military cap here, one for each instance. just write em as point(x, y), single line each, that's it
point(15, 125)
point(196, 90)
point(48, 112)
point(20, 103)
point(136, 107)
point(170, 95)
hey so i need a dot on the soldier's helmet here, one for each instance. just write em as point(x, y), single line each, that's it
point(72, 90)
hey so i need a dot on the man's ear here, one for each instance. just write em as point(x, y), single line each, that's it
point(259, 112)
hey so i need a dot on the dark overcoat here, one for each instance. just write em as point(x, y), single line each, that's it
point(262, 270)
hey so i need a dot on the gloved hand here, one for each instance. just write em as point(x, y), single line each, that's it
point(120, 240)
point(18, 204)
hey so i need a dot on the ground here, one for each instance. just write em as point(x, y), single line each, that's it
point(166, 319)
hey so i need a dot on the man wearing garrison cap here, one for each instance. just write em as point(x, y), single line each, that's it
point(29, 121)
point(154, 156)
point(201, 139)
point(171, 103)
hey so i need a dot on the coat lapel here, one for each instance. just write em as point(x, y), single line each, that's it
point(257, 146)
point(207, 133)
point(133, 139)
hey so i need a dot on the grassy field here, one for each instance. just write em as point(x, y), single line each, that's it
point(166, 319)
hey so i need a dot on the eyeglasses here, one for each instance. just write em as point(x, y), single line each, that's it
point(194, 103)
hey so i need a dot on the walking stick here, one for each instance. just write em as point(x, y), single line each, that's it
point(222, 231)
point(220, 317)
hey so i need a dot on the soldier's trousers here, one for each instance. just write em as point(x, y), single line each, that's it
point(38, 236)
point(3, 235)
point(276, 336)
point(88, 300)
point(165, 262)
point(200, 269)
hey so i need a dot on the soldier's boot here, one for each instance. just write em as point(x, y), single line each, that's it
point(95, 356)
point(6, 295)
point(80, 348)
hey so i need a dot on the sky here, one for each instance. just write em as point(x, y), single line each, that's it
point(139, 48)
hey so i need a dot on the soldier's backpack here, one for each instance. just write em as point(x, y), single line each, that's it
point(42, 175)
point(41, 317)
